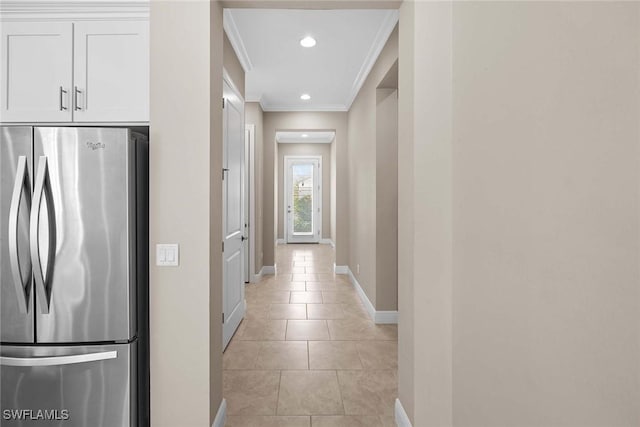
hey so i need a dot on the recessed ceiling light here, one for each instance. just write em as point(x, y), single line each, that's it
point(305, 97)
point(308, 42)
point(304, 135)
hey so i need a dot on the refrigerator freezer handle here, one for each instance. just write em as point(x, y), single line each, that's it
point(57, 360)
point(42, 188)
point(22, 180)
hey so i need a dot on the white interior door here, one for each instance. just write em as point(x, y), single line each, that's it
point(303, 203)
point(232, 211)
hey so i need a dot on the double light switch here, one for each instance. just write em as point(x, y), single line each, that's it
point(167, 255)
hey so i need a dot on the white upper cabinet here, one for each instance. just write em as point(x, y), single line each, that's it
point(37, 64)
point(111, 71)
point(81, 62)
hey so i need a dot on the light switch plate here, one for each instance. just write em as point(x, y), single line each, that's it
point(168, 255)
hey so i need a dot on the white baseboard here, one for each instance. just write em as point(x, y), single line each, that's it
point(322, 242)
point(268, 270)
point(378, 317)
point(363, 296)
point(255, 278)
point(327, 242)
point(386, 317)
point(402, 419)
point(340, 269)
point(221, 416)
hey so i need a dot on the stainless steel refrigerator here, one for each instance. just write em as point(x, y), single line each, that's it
point(73, 278)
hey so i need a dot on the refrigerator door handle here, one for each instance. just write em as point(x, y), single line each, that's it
point(21, 183)
point(42, 188)
point(57, 360)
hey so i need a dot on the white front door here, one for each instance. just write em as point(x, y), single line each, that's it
point(232, 212)
point(303, 204)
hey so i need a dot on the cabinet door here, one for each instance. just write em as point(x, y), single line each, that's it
point(111, 71)
point(36, 71)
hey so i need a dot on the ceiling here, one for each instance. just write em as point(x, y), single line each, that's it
point(279, 70)
point(310, 137)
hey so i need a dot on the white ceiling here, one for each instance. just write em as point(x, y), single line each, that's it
point(278, 70)
point(312, 137)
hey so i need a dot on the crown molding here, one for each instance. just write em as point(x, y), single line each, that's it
point(382, 35)
point(385, 30)
point(289, 108)
point(235, 39)
point(73, 10)
point(313, 137)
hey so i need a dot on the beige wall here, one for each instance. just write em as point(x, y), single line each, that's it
point(332, 192)
point(406, 316)
point(274, 121)
point(254, 115)
point(386, 231)
point(215, 209)
point(323, 150)
point(232, 65)
point(546, 208)
point(185, 145)
point(363, 184)
point(519, 284)
point(424, 181)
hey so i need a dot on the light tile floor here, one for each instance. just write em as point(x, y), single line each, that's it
point(307, 354)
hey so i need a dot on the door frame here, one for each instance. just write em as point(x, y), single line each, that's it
point(250, 187)
point(228, 334)
point(285, 197)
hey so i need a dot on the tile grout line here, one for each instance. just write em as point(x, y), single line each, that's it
point(355, 343)
point(255, 362)
point(342, 306)
point(344, 410)
point(278, 394)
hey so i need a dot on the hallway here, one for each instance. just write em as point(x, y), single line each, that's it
point(307, 353)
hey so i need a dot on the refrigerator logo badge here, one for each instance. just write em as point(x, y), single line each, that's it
point(95, 145)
